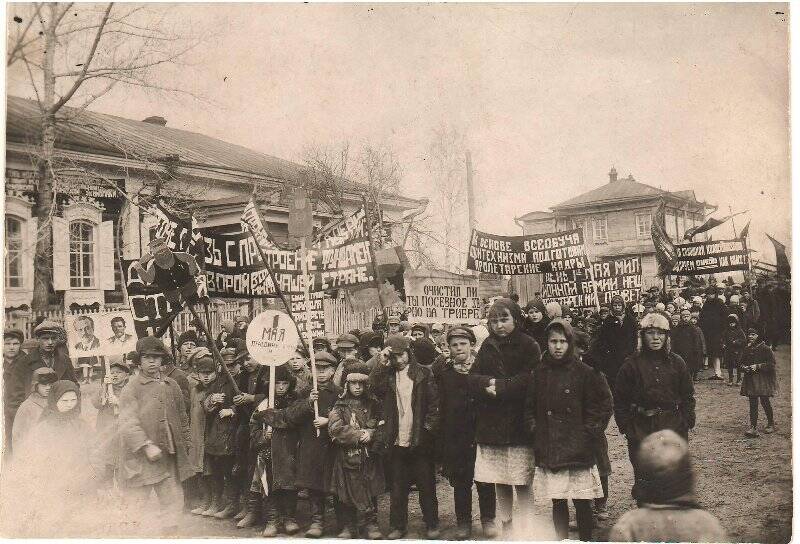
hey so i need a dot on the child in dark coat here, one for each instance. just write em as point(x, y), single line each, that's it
point(733, 342)
point(760, 381)
point(314, 456)
point(274, 476)
point(357, 477)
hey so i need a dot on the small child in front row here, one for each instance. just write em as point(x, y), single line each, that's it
point(567, 408)
point(274, 476)
point(357, 477)
point(760, 381)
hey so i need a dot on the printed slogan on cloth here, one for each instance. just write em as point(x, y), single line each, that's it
point(532, 254)
point(438, 296)
point(710, 257)
point(613, 276)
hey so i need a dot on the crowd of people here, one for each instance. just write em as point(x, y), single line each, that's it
point(515, 407)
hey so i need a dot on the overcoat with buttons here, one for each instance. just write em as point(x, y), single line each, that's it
point(567, 408)
point(150, 411)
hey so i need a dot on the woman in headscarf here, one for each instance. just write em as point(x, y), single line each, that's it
point(536, 321)
point(55, 477)
point(499, 380)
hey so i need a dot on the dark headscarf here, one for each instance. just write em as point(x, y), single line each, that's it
point(56, 392)
point(566, 329)
point(500, 307)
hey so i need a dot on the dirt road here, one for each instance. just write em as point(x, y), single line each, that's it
point(746, 483)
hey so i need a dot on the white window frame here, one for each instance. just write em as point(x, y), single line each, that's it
point(16, 255)
point(93, 243)
point(641, 231)
point(600, 230)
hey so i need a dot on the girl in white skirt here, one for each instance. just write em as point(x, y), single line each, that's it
point(567, 408)
point(499, 380)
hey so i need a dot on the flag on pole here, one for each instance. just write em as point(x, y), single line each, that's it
point(782, 261)
point(251, 219)
point(745, 231)
point(708, 225)
point(665, 249)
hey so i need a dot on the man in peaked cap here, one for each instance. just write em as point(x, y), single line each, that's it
point(154, 429)
point(654, 391)
point(347, 350)
point(50, 353)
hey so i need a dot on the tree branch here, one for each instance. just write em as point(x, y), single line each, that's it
point(64, 99)
point(20, 46)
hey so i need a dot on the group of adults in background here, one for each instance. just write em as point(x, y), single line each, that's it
point(516, 407)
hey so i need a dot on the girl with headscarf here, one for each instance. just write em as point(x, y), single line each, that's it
point(498, 380)
point(536, 321)
point(567, 408)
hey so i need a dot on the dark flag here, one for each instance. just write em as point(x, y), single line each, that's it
point(665, 249)
point(745, 230)
point(708, 225)
point(782, 261)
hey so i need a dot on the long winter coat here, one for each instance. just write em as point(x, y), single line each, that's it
point(314, 457)
point(535, 329)
point(182, 379)
point(713, 321)
point(281, 449)
point(616, 340)
point(657, 381)
point(509, 361)
point(28, 416)
point(733, 343)
point(197, 426)
point(761, 381)
point(147, 407)
point(687, 341)
point(567, 408)
point(424, 404)
point(357, 476)
point(220, 431)
point(458, 412)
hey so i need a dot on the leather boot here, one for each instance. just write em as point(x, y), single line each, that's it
point(317, 510)
point(289, 504)
point(251, 517)
point(271, 529)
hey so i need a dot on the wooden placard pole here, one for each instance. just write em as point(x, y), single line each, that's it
point(307, 298)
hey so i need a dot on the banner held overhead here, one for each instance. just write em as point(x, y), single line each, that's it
point(438, 296)
point(531, 254)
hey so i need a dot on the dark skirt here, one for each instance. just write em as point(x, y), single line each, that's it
point(759, 384)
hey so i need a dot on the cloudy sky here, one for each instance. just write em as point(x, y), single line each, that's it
point(549, 97)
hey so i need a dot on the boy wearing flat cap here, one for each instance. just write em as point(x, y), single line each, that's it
point(154, 430)
point(347, 351)
point(458, 410)
point(314, 453)
point(411, 410)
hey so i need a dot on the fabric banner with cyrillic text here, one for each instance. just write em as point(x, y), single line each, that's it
point(613, 276)
point(531, 254)
point(438, 296)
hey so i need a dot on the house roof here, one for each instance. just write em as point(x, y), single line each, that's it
point(104, 134)
point(622, 190)
point(533, 216)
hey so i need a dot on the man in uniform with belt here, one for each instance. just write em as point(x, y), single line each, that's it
point(654, 390)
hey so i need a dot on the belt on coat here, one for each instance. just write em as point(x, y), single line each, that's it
point(652, 412)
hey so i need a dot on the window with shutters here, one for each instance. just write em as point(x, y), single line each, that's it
point(643, 221)
point(13, 252)
point(81, 254)
point(600, 230)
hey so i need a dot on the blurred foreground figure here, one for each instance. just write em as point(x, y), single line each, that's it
point(669, 511)
point(52, 478)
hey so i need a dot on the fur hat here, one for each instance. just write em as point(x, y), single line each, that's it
point(655, 320)
point(666, 468)
point(356, 372)
point(188, 336)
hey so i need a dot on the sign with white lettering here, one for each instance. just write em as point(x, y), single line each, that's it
point(613, 276)
point(438, 296)
point(532, 254)
point(710, 257)
point(272, 338)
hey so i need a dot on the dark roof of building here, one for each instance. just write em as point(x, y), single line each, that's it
point(104, 134)
point(621, 190)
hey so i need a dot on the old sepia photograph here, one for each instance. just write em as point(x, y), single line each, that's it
point(397, 271)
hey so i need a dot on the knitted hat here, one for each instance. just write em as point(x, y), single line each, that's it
point(536, 303)
point(188, 336)
point(14, 333)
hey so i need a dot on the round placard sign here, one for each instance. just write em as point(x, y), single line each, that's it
point(272, 338)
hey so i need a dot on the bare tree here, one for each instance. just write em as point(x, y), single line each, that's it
point(444, 162)
point(71, 55)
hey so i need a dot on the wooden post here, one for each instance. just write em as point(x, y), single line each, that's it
point(307, 297)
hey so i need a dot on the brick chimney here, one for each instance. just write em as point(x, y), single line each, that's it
point(156, 120)
point(612, 175)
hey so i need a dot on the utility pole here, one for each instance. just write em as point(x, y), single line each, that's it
point(470, 194)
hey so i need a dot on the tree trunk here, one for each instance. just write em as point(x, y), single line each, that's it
point(43, 261)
